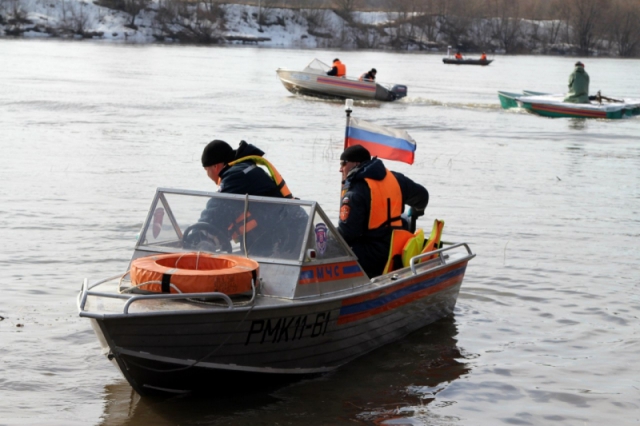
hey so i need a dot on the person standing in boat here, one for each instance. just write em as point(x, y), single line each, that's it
point(236, 171)
point(373, 200)
point(483, 57)
point(338, 70)
point(578, 85)
point(369, 75)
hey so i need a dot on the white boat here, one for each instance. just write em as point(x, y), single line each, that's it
point(309, 308)
point(314, 81)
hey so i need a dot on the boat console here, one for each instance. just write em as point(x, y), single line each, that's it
point(292, 240)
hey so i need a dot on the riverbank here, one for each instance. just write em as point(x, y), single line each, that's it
point(220, 24)
point(212, 22)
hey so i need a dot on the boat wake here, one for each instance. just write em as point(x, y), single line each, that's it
point(446, 104)
point(338, 101)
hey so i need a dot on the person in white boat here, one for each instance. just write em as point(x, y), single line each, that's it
point(369, 75)
point(373, 200)
point(338, 70)
point(578, 85)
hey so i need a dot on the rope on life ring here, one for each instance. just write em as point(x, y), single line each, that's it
point(193, 273)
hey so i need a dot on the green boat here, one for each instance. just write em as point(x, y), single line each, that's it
point(548, 105)
point(508, 99)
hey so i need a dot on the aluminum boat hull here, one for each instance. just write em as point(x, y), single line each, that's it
point(172, 353)
point(328, 87)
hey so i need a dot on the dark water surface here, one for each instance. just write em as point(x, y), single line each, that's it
point(546, 330)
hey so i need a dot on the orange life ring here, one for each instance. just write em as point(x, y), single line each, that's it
point(194, 273)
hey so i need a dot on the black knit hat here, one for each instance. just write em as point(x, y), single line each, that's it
point(579, 64)
point(356, 154)
point(215, 152)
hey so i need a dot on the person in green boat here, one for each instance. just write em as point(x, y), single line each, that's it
point(578, 86)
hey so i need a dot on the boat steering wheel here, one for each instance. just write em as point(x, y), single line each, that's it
point(203, 235)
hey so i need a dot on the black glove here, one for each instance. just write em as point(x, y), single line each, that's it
point(416, 213)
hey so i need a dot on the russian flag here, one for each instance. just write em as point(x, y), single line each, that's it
point(383, 142)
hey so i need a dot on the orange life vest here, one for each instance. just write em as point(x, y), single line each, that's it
point(341, 68)
point(483, 57)
point(399, 238)
point(433, 243)
point(386, 202)
point(237, 228)
point(405, 245)
point(458, 56)
point(273, 172)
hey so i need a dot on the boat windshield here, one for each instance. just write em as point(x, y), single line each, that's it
point(317, 66)
point(259, 227)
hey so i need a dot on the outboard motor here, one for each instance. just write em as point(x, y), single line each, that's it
point(399, 90)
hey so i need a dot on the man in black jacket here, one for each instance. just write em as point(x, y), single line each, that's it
point(369, 75)
point(239, 178)
point(373, 199)
point(268, 226)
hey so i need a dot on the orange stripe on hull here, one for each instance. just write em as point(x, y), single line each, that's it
point(373, 303)
point(576, 112)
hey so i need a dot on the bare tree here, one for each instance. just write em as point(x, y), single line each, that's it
point(345, 8)
point(133, 8)
point(428, 19)
point(402, 13)
point(507, 24)
point(481, 32)
point(585, 18)
point(16, 17)
point(264, 15)
point(317, 22)
point(201, 22)
point(624, 28)
point(455, 22)
point(551, 33)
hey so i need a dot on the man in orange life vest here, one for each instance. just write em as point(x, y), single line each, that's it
point(338, 70)
point(237, 172)
point(373, 200)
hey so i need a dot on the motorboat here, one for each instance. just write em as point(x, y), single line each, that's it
point(454, 61)
point(292, 301)
point(553, 105)
point(314, 81)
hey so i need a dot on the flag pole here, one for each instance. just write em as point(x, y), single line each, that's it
point(347, 109)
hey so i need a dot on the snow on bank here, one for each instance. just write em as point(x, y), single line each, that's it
point(84, 19)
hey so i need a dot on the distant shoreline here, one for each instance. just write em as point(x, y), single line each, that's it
point(232, 24)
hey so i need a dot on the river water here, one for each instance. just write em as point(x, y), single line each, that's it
point(546, 329)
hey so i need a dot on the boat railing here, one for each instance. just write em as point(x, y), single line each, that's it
point(440, 253)
point(132, 298)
